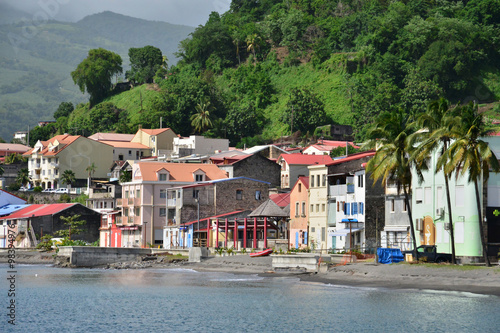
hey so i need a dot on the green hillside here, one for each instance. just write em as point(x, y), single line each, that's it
point(35, 71)
point(272, 68)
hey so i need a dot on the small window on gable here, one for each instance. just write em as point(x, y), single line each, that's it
point(300, 187)
point(162, 177)
point(199, 177)
point(239, 194)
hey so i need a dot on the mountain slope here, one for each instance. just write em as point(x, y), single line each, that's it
point(35, 71)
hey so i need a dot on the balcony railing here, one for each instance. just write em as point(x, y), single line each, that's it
point(337, 190)
point(171, 202)
point(119, 202)
point(119, 220)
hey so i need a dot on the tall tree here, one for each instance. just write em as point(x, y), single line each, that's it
point(390, 136)
point(64, 110)
point(90, 169)
point(144, 63)
point(471, 155)
point(74, 226)
point(95, 72)
point(437, 124)
point(305, 111)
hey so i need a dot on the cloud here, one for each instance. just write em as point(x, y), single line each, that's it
point(186, 12)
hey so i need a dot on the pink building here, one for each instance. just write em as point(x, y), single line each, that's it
point(144, 198)
point(298, 213)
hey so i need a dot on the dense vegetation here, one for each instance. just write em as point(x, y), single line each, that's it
point(270, 68)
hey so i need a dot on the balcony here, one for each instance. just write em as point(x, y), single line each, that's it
point(119, 202)
point(350, 188)
point(332, 223)
point(136, 201)
point(119, 220)
point(337, 190)
point(171, 202)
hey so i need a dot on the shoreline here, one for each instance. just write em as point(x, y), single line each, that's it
point(402, 276)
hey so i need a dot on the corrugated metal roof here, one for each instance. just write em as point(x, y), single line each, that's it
point(352, 157)
point(38, 210)
point(9, 209)
point(301, 159)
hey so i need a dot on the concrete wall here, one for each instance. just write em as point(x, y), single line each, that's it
point(308, 262)
point(90, 256)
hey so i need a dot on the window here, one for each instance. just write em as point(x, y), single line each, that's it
point(162, 177)
point(312, 209)
point(312, 181)
point(405, 208)
point(196, 194)
point(324, 180)
point(178, 194)
point(137, 211)
point(239, 194)
point(439, 197)
point(347, 208)
point(317, 181)
point(300, 187)
point(317, 208)
point(392, 206)
point(163, 194)
point(129, 152)
point(303, 208)
point(163, 212)
point(419, 195)
point(427, 195)
point(297, 209)
point(137, 193)
point(125, 211)
point(322, 207)
point(323, 234)
point(126, 194)
point(360, 181)
point(120, 157)
point(459, 196)
point(354, 208)
point(257, 195)
point(361, 208)
point(313, 229)
point(199, 178)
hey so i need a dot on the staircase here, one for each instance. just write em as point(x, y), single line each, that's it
point(32, 238)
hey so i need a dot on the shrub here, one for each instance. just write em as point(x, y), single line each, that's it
point(45, 243)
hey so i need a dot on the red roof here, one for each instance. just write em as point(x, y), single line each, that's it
point(281, 199)
point(301, 159)
point(228, 160)
point(336, 143)
point(352, 157)
point(212, 217)
point(38, 210)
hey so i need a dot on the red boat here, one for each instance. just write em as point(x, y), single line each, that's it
point(261, 253)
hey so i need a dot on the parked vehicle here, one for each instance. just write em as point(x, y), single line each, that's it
point(429, 253)
point(62, 190)
point(48, 190)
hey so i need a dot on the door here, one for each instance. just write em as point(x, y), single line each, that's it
point(296, 239)
point(334, 242)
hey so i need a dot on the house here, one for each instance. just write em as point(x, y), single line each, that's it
point(216, 197)
point(9, 203)
point(295, 165)
point(49, 159)
point(431, 214)
point(120, 137)
point(299, 203)
point(144, 199)
point(198, 145)
point(7, 149)
point(119, 167)
point(253, 166)
point(396, 232)
point(317, 216)
point(356, 205)
point(159, 140)
point(21, 137)
point(324, 147)
point(32, 222)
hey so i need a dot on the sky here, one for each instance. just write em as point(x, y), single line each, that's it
point(186, 12)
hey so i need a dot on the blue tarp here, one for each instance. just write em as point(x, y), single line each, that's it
point(389, 256)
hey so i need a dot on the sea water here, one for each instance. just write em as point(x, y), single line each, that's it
point(49, 299)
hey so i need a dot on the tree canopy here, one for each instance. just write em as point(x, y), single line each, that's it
point(93, 75)
point(144, 63)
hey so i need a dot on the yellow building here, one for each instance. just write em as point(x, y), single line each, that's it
point(318, 213)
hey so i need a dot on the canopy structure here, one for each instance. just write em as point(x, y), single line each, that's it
point(344, 232)
point(349, 220)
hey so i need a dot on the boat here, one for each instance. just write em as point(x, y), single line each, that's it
point(263, 253)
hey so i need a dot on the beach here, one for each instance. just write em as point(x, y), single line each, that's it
point(439, 277)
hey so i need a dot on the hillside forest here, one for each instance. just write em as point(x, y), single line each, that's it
point(270, 69)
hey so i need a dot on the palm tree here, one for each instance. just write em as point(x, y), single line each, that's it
point(23, 177)
point(90, 169)
point(437, 133)
point(469, 153)
point(68, 177)
point(253, 44)
point(201, 120)
point(391, 162)
point(125, 176)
